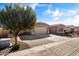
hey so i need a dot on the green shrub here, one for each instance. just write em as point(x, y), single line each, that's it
point(15, 48)
point(66, 32)
point(77, 31)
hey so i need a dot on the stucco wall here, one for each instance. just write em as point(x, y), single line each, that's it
point(40, 30)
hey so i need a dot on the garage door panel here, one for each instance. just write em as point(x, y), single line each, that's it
point(40, 30)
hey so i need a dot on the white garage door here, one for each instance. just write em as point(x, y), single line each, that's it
point(40, 30)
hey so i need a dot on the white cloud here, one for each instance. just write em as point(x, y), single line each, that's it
point(56, 18)
point(48, 12)
point(70, 21)
point(53, 13)
point(56, 13)
point(73, 21)
point(72, 12)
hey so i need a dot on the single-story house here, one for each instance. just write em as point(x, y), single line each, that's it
point(69, 27)
point(56, 28)
point(40, 28)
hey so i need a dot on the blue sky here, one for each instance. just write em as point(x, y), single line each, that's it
point(55, 13)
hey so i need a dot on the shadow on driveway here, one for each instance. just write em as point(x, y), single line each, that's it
point(33, 37)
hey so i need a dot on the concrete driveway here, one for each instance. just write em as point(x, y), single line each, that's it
point(58, 46)
point(45, 40)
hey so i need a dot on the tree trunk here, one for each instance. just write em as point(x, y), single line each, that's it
point(15, 40)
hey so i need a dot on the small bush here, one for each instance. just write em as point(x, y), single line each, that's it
point(77, 31)
point(15, 48)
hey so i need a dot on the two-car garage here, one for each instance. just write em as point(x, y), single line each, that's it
point(41, 28)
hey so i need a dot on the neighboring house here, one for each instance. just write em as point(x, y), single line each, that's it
point(69, 27)
point(57, 28)
point(76, 28)
point(40, 28)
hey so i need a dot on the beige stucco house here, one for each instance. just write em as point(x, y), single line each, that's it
point(69, 27)
point(40, 28)
point(56, 28)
